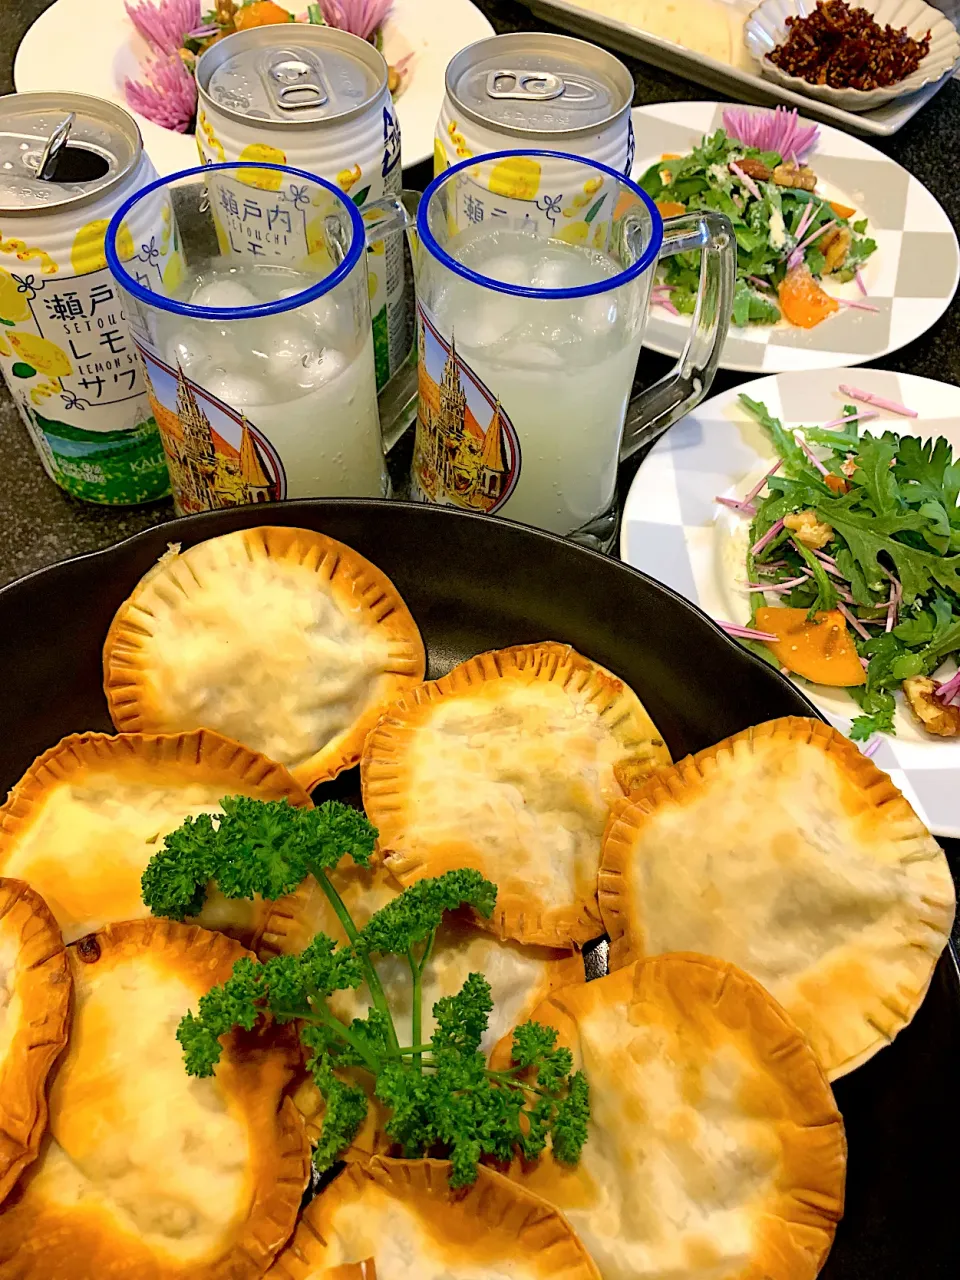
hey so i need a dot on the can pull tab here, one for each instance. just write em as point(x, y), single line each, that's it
point(53, 146)
point(524, 86)
point(536, 86)
point(296, 85)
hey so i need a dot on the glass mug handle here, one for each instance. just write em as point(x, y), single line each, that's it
point(652, 411)
point(397, 402)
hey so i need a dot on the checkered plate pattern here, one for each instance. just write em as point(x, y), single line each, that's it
point(911, 278)
point(674, 530)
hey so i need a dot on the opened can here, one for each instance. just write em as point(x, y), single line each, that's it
point(530, 90)
point(67, 162)
point(317, 99)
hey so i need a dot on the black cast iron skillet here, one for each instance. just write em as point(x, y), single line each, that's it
point(476, 583)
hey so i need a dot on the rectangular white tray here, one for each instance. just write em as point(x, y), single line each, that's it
point(742, 85)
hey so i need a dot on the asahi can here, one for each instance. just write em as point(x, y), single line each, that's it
point(530, 90)
point(66, 163)
point(317, 99)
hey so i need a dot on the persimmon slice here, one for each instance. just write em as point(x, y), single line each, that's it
point(820, 649)
point(802, 300)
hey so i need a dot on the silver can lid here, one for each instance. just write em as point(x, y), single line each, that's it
point(306, 76)
point(533, 83)
point(103, 146)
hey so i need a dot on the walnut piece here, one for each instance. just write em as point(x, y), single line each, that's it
point(835, 245)
point(755, 169)
point(813, 533)
point(788, 175)
point(936, 718)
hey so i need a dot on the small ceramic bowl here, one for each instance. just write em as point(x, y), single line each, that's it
point(766, 27)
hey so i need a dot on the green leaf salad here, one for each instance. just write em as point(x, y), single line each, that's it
point(867, 526)
point(782, 225)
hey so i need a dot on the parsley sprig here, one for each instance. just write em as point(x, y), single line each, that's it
point(441, 1094)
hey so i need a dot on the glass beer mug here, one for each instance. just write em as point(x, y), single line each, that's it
point(256, 343)
point(530, 317)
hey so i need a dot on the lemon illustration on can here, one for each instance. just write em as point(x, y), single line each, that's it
point(573, 233)
point(173, 271)
point(459, 142)
point(263, 179)
point(372, 217)
point(165, 216)
point(372, 284)
point(317, 252)
point(348, 178)
point(5, 347)
point(205, 128)
point(43, 391)
point(87, 254)
point(440, 161)
point(516, 178)
point(13, 303)
point(44, 356)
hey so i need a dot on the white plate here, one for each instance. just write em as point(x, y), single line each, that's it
point(91, 46)
point(912, 277)
point(674, 530)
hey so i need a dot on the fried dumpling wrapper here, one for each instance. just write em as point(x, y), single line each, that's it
point(520, 976)
point(283, 639)
point(83, 822)
point(35, 995)
point(714, 1145)
point(146, 1171)
point(399, 1220)
point(510, 764)
point(786, 851)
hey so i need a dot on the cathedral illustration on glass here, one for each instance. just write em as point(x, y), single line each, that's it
point(206, 469)
point(460, 459)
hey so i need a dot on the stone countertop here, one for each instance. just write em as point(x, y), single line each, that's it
point(40, 525)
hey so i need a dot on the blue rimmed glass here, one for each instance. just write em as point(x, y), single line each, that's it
point(531, 309)
point(256, 344)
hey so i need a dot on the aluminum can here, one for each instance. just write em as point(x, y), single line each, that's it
point(317, 99)
point(65, 349)
point(530, 90)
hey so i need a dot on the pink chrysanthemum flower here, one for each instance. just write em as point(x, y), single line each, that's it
point(167, 96)
point(360, 17)
point(778, 130)
point(164, 24)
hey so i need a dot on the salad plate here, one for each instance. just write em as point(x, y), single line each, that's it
point(909, 280)
point(675, 529)
point(65, 50)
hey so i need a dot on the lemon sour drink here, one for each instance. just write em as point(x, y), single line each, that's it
point(303, 388)
point(67, 162)
point(561, 369)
